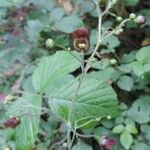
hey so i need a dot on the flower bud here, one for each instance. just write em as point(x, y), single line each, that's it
point(132, 16)
point(119, 19)
point(140, 19)
point(81, 39)
point(12, 122)
point(49, 43)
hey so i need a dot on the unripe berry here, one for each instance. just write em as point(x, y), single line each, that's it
point(49, 43)
point(69, 49)
point(113, 61)
point(140, 19)
point(132, 16)
point(119, 19)
point(109, 117)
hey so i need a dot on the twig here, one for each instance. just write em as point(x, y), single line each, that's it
point(85, 136)
point(73, 101)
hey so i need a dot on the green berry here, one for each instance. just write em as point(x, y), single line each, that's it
point(109, 117)
point(119, 19)
point(49, 43)
point(113, 61)
point(132, 16)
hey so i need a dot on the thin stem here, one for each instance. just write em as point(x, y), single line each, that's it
point(73, 137)
point(99, 23)
point(100, 26)
point(69, 141)
point(85, 136)
point(112, 14)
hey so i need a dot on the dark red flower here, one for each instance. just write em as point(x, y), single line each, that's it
point(81, 33)
point(81, 39)
point(107, 143)
point(12, 122)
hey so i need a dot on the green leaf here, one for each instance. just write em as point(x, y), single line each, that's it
point(125, 83)
point(128, 120)
point(93, 37)
point(93, 102)
point(118, 129)
point(140, 146)
point(101, 132)
point(81, 146)
point(44, 4)
point(107, 123)
point(57, 14)
point(58, 83)
point(132, 2)
point(103, 75)
point(33, 29)
point(137, 67)
point(127, 58)
point(143, 54)
point(145, 128)
point(16, 50)
point(27, 109)
point(103, 64)
point(86, 6)
point(140, 111)
point(11, 3)
point(38, 15)
point(126, 139)
point(53, 67)
point(113, 42)
point(132, 129)
point(68, 24)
